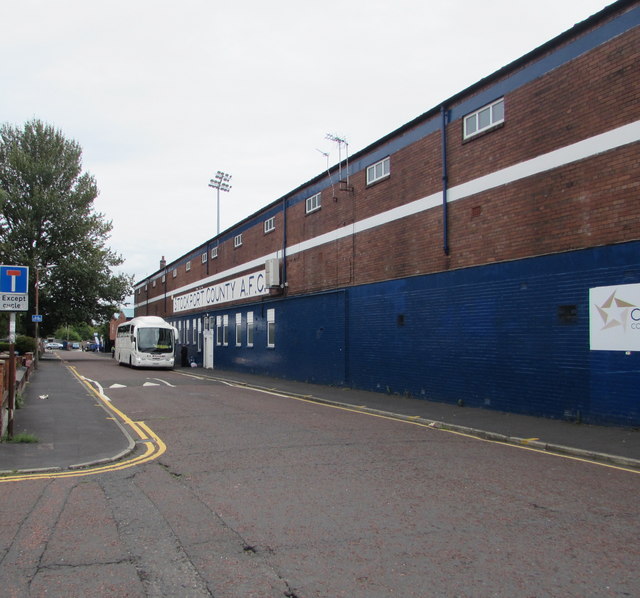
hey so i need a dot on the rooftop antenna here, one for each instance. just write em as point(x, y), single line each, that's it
point(326, 155)
point(341, 141)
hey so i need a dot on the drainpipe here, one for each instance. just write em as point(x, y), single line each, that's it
point(445, 180)
point(284, 242)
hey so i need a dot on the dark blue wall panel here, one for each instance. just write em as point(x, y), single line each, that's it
point(309, 340)
point(498, 336)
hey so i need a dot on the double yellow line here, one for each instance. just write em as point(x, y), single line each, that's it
point(154, 446)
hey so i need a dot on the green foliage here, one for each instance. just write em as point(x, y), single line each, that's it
point(21, 437)
point(48, 222)
point(67, 333)
point(25, 344)
point(85, 331)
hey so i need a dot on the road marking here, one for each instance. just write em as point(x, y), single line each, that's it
point(163, 382)
point(100, 391)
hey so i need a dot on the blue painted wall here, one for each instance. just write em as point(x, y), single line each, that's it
point(496, 336)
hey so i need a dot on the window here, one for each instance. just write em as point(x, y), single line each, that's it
point(237, 240)
point(174, 273)
point(250, 329)
point(218, 330)
point(225, 330)
point(271, 328)
point(187, 266)
point(154, 284)
point(214, 253)
point(195, 334)
point(204, 258)
point(313, 203)
point(378, 171)
point(483, 119)
point(270, 224)
point(164, 278)
point(238, 330)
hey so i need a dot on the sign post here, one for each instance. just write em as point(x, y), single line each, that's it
point(14, 297)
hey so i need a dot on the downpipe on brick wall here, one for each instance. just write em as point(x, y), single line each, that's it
point(445, 181)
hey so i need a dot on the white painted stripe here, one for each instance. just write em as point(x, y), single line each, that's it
point(581, 150)
point(555, 159)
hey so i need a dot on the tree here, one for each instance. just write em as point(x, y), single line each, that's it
point(48, 222)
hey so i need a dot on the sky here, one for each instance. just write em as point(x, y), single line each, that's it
point(161, 95)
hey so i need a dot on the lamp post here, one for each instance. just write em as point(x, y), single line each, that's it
point(220, 182)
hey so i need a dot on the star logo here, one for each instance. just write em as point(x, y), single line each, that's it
point(614, 312)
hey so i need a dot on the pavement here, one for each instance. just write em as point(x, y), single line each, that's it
point(74, 430)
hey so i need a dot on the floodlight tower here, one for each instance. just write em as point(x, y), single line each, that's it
point(220, 182)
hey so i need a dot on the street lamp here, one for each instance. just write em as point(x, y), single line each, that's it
point(220, 182)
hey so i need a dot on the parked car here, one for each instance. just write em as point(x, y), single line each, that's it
point(53, 345)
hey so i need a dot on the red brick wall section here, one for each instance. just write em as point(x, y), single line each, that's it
point(589, 203)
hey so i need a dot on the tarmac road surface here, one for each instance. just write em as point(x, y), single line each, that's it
point(262, 493)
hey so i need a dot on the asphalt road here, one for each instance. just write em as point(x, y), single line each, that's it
point(260, 495)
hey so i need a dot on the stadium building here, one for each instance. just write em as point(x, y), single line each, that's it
point(486, 252)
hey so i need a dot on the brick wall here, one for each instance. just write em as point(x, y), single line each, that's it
point(587, 203)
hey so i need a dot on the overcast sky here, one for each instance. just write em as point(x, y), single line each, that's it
point(160, 95)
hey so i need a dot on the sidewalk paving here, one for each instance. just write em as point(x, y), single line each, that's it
point(72, 427)
point(73, 432)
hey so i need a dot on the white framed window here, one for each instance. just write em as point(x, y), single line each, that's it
point(204, 257)
point(237, 240)
point(194, 338)
point(174, 273)
point(378, 171)
point(219, 330)
point(270, 224)
point(187, 266)
point(313, 203)
point(249, 329)
point(164, 278)
point(271, 328)
point(214, 253)
point(154, 283)
point(225, 330)
point(488, 116)
point(199, 334)
point(238, 330)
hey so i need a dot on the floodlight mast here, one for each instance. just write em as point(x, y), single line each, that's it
point(220, 182)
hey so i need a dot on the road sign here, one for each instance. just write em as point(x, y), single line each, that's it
point(36, 318)
point(14, 288)
point(14, 279)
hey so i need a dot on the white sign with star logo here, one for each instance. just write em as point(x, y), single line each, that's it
point(614, 318)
